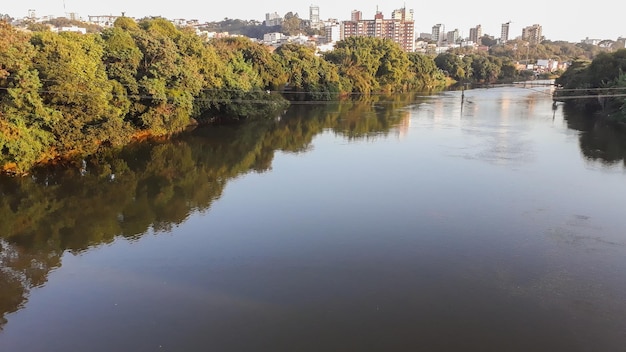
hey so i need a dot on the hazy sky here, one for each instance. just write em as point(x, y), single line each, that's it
point(598, 19)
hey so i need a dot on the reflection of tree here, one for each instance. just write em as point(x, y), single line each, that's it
point(153, 185)
point(373, 117)
point(599, 139)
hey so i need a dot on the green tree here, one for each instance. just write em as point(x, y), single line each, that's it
point(424, 73)
point(485, 69)
point(292, 24)
point(310, 76)
point(75, 85)
point(453, 66)
point(369, 64)
point(25, 121)
point(602, 77)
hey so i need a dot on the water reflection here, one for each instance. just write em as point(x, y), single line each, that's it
point(153, 186)
point(600, 141)
point(435, 242)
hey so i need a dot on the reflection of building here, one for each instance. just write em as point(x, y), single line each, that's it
point(404, 125)
point(400, 28)
point(532, 34)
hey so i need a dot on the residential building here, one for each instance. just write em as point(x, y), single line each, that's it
point(453, 37)
point(532, 34)
point(103, 20)
point(314, 17)
point(400, 28)
point(438, 33)
point(74, 29)
point(272, 37)
point(504, 32)
point(273, 19)
point(333, 33)
point(475, 34)
point(428, 36)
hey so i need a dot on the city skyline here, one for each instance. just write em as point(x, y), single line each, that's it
point(599, 23)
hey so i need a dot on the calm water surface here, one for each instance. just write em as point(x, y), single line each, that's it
point(405, 224)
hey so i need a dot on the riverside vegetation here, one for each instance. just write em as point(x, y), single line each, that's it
point(65, 96)
point(597, 85)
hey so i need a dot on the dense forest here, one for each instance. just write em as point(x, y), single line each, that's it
point(66, 95)
point(597, 85)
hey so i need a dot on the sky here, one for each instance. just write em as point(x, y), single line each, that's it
point(600, 19)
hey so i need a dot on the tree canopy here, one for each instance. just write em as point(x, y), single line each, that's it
point(67, 95)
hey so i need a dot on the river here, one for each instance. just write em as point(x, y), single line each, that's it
point(483, 220)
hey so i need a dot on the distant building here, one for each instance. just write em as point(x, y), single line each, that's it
point(504, 32)
point(273, 19)
point(475, 34)
point(74, 29)
point(356, 16)
point(402, 15)
point(532, 34)
point(272, 37)
point(181, 22)
point(549, 65)
point(314, 17)
point(400, 28)
point(453, 37)
point(332, 33)
point(102, 20)
point(591, 41)
point(427, 36)
point(438, 31)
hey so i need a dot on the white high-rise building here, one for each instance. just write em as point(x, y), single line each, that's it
point(314, 17)
point(504, 33)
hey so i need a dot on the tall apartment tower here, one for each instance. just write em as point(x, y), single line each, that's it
point(475, 34)
point(438, 33)
point(314, 17)
point(400, 28)
point(314, 13)
point(273, 19)
point(356, 16)
point(402, 15)
point(453, 36)
point(504, 33)
point(333, 33)
point(532, 34)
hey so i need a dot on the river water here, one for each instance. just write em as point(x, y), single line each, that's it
point(489, 220)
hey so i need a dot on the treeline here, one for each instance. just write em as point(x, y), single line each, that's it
point(598, 85)
point(479, 67)
point(500, 62)
point(291, 24)
point(65, 95)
